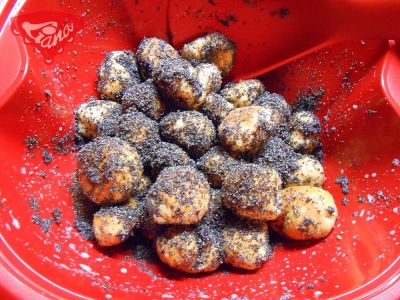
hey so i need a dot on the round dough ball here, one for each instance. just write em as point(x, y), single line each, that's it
point(182, 249)
point(215, 164)
point(140, 132)
point(191, 130)
point(279, 156)
point(309, 171)
point(177, 80)
point(114, 225)
point(213, 48)
point(242, 93)
point(149, 53)
point(180, 195)
point(252, 191)
point(276, 103)
point(109, 170)
point(149, 229)
point(246, 244)
point(117, 72)
point(210, 77)
point(166, 155)
point(305, 130)
point(245, 130)
point(307, 213)
point(97, 118)
point(145, 98)
point(215, 107)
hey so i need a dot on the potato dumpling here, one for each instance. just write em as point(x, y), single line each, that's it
point(168, 155)
point(215, 107)
point(242, 93)
point(145, 98)
point(109, 170)
point(309, 171)
point(276, 103)
point(215, 163)
point(246, 244)
point(279, 156)
point(177, 80)
point(190, 130)
point(210, 226)
point(213, 48)
point(182, 249)
point(245, 130)
point(114, 225)
point(140, 132)
point(252, 191)
point(117, 72)
point(149, 229)
point(149, 53)
point(304, 133)
point(210, 77)
point(97, 118)
point(307, 213)
point(180, 195)
point(144, 185)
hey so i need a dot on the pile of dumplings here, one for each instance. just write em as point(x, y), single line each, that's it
point(202, 170)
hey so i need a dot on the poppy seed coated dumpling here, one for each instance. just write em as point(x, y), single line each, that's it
point(145, 98)
point(252, 191)
point(177, 80)
point(246, 244)
point(308, 212)
point(140, 132)
point(180, 195)
point(191, 130)
point(97, 118)
point(242, 93)
point(182, 248)
point(213, 48)
point(166, 155)
point(117, 72)
point(305, 129)
point(113, 225)
point(245, 130)
point(109, 170)
point(309, 171)
point(149, 53)
point(215, 107)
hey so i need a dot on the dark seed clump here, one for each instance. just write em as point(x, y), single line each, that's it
point(47, 156)
point(57, 215)
point(309, 100)
point(31, 142)
point(344, 182)
point(361, 199)
point(62, 144)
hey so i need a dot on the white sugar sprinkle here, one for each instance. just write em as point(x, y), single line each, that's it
point(123, 270)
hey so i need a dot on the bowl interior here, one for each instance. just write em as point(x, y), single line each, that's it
point(360, 137)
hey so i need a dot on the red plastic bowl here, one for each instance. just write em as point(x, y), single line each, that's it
point(359, 260)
